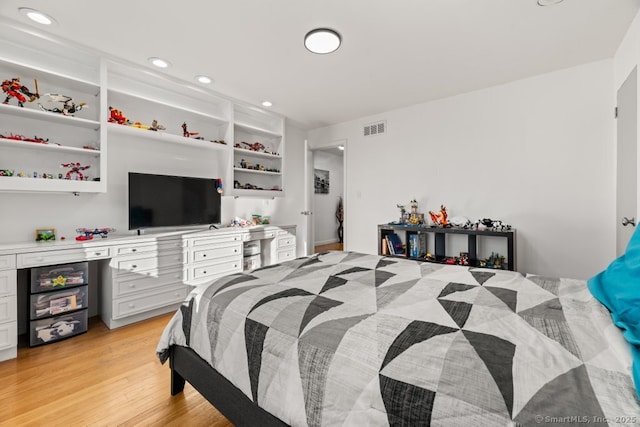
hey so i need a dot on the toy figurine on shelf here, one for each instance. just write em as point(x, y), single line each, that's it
point(440, 219)
point(116, 116)
point(69, 108)
point(6, 172)
point(415, 218)
point(88, 233)
point(403, 214)
point(186, 133)
point(75, 171)
point(14, 89)
point(256, 146)
point(155, 126)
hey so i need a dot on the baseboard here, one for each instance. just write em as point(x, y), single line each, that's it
point(327, 242)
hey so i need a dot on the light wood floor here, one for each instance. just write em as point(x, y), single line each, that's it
point(101, 378)
point(328, 247)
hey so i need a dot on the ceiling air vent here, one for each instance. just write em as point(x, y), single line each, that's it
point(375, 128)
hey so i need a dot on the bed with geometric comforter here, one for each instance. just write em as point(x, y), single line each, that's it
point(344, 338)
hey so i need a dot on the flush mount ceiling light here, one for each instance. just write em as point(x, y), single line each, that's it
point(322, 40)
point(204, 79)
point(37, 16)
point(267, 103)
point(548, 2)
point(159, 62)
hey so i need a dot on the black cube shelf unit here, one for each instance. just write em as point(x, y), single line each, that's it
point(404, 231)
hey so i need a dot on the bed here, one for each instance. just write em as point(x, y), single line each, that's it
point(346, 338)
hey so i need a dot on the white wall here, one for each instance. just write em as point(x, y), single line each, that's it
point(537, 153)
point(325, 205)
point(22, 213)
point(627, 57)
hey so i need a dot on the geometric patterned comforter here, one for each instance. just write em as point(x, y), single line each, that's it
point(344, 338)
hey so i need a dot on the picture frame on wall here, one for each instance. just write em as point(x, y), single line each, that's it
point(45, 234)
point(321, 181)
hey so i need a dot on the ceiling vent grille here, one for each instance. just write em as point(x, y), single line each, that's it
point(375, 128)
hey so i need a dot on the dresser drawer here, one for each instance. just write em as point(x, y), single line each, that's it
point(36, 259)
point(8, 309)
point(286, 254)
point(128, 284)
point(209, 241)
point(286, 241)
point(222, 267)
point(146, 247)
point(8, 280)
point(8, 335)
point(7, 261)
point(259, 235)
point(212, 253)
point(164, 297)
point(287, 232)
point(147, 262)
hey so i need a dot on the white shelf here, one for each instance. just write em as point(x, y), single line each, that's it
point(256, 193)
point(215, 119)
point(13, 183)
point(48, 117)
point(252, 153)
point(256, 171)
point(165, 137)
point(257, 130)
point(66, 80)
point(46, 147)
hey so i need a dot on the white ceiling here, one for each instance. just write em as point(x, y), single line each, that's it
point(393, 54)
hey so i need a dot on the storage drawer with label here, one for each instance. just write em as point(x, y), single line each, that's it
point(52, 329)
point(51, 278)
point(63, 301)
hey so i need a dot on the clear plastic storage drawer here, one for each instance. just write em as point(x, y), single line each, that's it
point(48, 304)
point(52, 278)
point(47, 331)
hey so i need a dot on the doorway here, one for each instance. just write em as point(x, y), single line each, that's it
point(326, 185)
point(627, 169)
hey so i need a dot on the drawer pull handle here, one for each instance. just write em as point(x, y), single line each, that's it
point(131, 305)
point(134, 266)
point(204, 255)
point(98, 253)
point(204, 272)
point(132, 285)
point(133, 250)
point(39, 258)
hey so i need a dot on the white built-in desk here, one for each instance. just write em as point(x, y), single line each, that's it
point(141, 276)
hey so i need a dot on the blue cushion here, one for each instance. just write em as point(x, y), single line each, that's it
point(618, 289)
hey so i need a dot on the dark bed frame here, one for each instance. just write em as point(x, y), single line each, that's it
point(187, 366)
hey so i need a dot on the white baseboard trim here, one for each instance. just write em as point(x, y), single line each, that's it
point(326, 242)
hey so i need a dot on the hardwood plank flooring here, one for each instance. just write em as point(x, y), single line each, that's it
point(329, 247)
point(100, 378)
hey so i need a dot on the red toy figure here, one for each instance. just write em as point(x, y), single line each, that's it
point(256, 146)
point(116, 116)
point(186, 133)
point(75, 171)
point(14, 89)
point(440, 218)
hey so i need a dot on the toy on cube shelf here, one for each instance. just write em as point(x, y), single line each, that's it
point(187, 134)
point(440, 219)
point(14, 89)
point(155, 126)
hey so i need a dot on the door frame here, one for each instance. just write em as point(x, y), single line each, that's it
point(309, 190)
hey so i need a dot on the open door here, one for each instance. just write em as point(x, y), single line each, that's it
point(627, 170)
point(308, 195)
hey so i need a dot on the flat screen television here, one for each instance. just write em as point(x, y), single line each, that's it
point(171, 201)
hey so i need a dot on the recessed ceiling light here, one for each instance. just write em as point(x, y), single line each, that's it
point(37, 16)
point(267, 103)
point(322, 40)
point(204, 79)
point(548, 2)
point(159, 62)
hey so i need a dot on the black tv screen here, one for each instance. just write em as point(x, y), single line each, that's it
point(166, 201)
